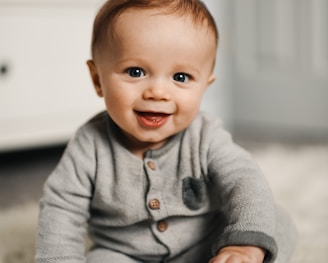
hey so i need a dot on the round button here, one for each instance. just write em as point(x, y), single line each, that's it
point(151, 165)
point(154, 204)
point(162, 226)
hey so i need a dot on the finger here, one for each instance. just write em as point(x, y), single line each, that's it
point(221, 258)
point(234, 259)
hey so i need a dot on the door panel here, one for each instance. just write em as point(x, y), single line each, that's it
point(280, 67)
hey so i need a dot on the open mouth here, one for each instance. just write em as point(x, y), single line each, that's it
point(152, 119)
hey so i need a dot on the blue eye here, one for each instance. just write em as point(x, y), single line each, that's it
point(181, 77)
point(135, 72)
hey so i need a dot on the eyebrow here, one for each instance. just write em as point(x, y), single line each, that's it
point(131, 59)
point(188, 66)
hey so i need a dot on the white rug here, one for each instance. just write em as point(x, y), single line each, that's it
point(299, 180)
point(17, 234)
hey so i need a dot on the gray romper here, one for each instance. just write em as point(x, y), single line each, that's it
point(181, 203)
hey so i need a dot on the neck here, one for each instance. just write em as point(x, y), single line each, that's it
point(137, 147)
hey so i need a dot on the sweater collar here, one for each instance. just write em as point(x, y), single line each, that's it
point(156, 153)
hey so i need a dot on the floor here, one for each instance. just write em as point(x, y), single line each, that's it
point(23, 173)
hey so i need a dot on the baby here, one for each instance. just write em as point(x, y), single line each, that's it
point(152, 178)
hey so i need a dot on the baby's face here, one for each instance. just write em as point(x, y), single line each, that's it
point(154, 74)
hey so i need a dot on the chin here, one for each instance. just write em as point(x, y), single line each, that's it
point(154, 140)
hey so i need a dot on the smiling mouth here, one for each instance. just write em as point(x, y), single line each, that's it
point(152, 119)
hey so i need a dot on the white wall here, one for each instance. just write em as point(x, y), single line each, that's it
point(217, 100)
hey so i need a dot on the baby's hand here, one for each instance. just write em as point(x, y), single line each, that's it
point(239, 254)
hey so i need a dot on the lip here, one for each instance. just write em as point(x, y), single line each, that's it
point(152, 120)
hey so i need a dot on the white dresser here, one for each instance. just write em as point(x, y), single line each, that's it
point(45, 88)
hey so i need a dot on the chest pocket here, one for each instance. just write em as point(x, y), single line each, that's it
point(194, 192)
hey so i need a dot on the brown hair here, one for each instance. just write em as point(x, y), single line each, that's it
point(111, 9)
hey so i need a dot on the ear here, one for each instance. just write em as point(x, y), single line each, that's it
point(95, 77)
point(211, 79)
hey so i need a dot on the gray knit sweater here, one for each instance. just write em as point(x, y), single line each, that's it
point(163, 204)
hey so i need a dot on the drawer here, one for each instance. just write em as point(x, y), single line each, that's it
point(45, 88)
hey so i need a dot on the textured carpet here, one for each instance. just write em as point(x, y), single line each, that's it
point(299, 179)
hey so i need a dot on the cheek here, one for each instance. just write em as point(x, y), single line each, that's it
point(113, 98)
point(119, 99)
point(116, 102)
point(190, 102)
point(187, 111)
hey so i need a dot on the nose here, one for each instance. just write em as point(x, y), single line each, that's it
point(157, 89)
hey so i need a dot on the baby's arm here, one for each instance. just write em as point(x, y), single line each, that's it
point(245, 198)
point(239, 254)
point(65, 206)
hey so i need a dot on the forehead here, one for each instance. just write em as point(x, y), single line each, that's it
point(163, 40)
point(153, 23)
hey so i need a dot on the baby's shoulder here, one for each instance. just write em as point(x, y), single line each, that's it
point(95, 122)
point(205, 124)
point(95, 127)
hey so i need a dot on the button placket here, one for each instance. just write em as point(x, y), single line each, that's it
point(154, 204)
point(151, 165)
point(154, 200)
point(162, 226)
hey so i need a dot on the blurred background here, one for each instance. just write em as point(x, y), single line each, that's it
point(271, 92)
point(272, 67)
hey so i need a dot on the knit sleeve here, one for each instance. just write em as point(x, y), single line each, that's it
point(244, 194)
point(64, 207)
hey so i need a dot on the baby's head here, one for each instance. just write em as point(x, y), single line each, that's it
point(152, 62)
point(104, 23)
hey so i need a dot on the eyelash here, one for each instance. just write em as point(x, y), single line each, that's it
point(136, 72)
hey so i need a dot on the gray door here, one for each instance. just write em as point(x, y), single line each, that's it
point(280, 68)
